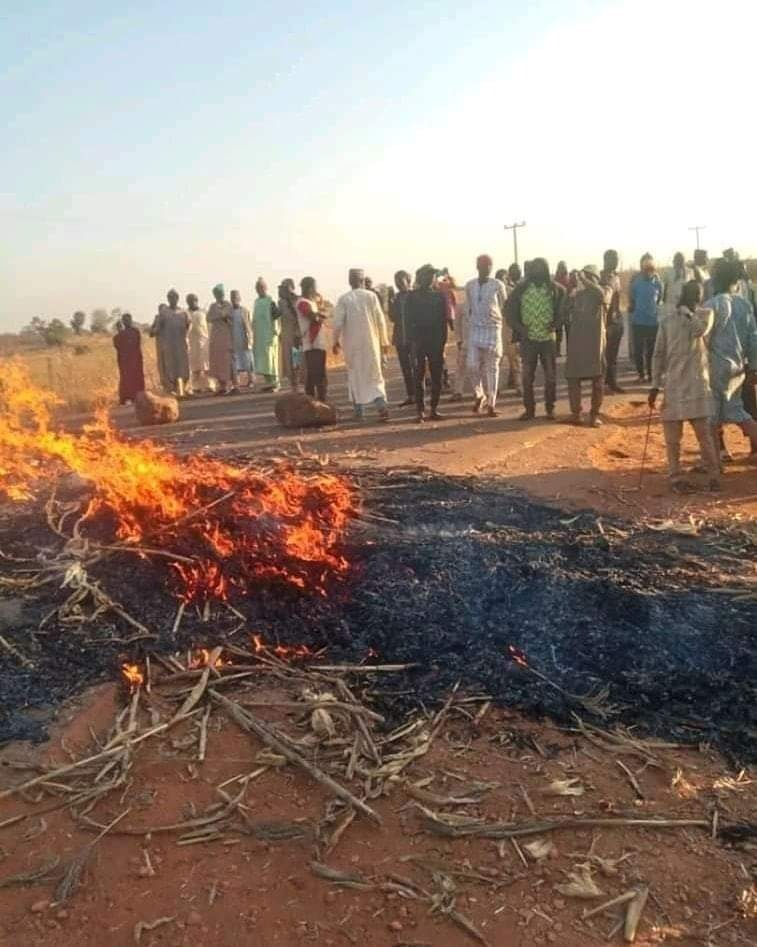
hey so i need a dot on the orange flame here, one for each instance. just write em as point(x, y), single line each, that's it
point(232, 526)
point(283, 651)
point(517, 656)
point(132, 675)
point(201, 659)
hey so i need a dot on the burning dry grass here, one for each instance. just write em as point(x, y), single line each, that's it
point(222, 527)
point(80, 376)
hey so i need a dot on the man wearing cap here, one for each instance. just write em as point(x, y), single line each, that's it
point(428, 318)
point(221, 344)
point(586, 310)
point(359, 330)
point(485, 300)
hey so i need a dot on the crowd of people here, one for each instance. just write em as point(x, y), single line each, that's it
point(693, 336)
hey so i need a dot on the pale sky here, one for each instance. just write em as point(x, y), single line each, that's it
point(182, 144)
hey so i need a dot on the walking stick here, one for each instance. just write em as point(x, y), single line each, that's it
point(646, 445)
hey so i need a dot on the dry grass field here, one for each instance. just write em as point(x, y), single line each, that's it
point(81, 373)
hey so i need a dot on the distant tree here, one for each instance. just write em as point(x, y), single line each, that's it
point(99, 321)
point(52, 333)
point(77, 321)
point(55, 332)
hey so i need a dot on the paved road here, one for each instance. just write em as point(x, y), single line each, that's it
point(245, 423)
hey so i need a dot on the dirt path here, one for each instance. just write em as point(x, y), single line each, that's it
point(573, 467)
point(239, 889)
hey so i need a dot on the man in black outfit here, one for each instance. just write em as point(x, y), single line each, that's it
point(427, 318)
point(398, 318)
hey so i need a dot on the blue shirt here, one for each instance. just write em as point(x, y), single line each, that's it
point(646, 294)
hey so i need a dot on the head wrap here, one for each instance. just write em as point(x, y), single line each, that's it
point(588, 276)
point(219, 287)
point(485, 259)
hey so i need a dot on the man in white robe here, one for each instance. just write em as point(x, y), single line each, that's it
point(198, 346)
point(359, 329)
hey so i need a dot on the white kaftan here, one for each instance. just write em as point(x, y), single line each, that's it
point(198, 341)
point(359, 327)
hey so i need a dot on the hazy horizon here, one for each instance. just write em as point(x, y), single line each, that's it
point(189, 146)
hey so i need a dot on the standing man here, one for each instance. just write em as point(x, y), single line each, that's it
point(371, 288)
point(462, 373)
point(514, 377)
point(313, 332)
point(290, 340)
point(702, 271)
point(733, 353)
point(587, 309)
point(645, 298)
point(675, 279)
point(265, 337)
point(360, 329)
point(427, 324)
point(172, 328)
point(610, 279)
point(398, 318)
point(221, 345)
point(160, 357)
point(566, 280)
point(241, 334)
point(198, 345)
point(485, 300)
point(128, 345)
point(681, 368)
point(536, 311)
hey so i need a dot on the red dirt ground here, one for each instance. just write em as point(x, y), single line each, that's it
point(243, 891)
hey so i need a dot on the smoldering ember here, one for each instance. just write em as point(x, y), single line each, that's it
point(401, 596)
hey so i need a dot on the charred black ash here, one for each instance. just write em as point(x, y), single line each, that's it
point(550, 612)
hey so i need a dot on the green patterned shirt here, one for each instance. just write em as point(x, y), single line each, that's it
point(537, 313)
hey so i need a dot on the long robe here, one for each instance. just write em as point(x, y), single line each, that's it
point(241, 338)
point(160, 356)
point(733, 346)
point(360, 327)
point(221, 346)
point(680, 366)
point(198, 340)
point(131, 374)
point(587, 315)
point(172, 328)
point(265, 338)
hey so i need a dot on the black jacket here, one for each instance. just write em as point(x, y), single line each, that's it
point(426, 318)
point(398, 318)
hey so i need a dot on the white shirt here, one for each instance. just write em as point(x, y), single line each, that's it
point(485, 304)
point(321, 340)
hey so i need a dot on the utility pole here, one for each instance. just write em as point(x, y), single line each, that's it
point(697, 229)
point(515, 227)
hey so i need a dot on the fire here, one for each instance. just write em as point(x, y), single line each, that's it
point(132, 675)
point(517, 656)
point(201, 659)
point(231, 527)
point(283, 651)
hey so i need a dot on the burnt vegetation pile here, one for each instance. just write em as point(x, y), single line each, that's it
point(547, 611)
